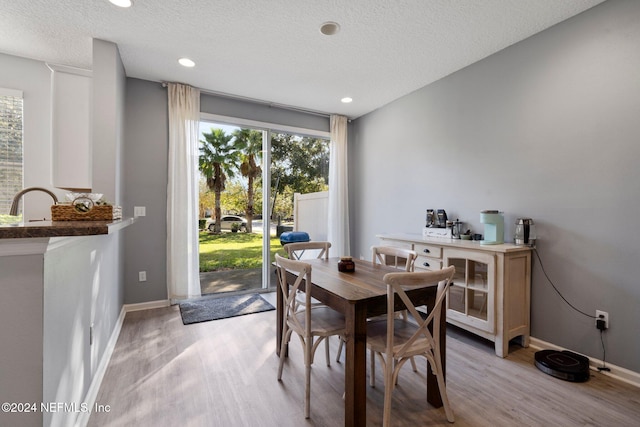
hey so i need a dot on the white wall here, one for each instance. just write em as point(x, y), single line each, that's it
point(33, 78)
point(547, 129)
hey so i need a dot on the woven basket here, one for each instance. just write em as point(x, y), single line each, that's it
point(96, 213)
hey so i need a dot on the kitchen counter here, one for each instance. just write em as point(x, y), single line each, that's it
point(62, 284)
point(38, 229)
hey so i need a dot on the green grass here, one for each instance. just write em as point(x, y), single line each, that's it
point(228, 251)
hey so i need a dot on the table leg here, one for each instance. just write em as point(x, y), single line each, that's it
point(355, 401)
point(433, 392)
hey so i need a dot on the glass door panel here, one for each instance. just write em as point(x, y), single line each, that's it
point(470, 297)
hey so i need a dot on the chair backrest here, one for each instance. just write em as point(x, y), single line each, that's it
point(379, 255)
point(289, 290)
point(297, 249)
point(398, 284)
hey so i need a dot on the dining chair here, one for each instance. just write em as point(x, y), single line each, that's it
point(313, 324)
point(296, 251)
point(395, 340)
point(389, 255)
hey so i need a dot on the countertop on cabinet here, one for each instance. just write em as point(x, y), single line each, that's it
point(454, 243)
point(38, 229)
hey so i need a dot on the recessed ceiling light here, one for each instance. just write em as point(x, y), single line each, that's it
point(346, 100)
point(329, 28)
point(122, 3)
point(186, 62)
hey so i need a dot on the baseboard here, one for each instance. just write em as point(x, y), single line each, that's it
point(617, 372)
point(94, 387)
point(146, 305)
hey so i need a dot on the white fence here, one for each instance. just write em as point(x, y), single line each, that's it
point(311, 214)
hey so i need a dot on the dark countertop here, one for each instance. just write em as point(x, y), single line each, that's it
point(62, 228)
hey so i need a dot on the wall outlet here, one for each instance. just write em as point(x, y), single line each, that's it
point(142, 276)
point(139, 211)
point(602, 315)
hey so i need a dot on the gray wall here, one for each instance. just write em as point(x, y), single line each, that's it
point(145, 171)
point(548, 129)
point(146, 174)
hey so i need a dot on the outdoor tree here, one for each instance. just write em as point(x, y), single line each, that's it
point(249, 142)
point(299, 163)
point(234, 198)
point(218, 160)
point(205, 197)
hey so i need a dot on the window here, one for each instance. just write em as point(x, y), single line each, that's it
point(11, 160)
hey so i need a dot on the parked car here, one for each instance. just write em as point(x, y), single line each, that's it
point(226, 223)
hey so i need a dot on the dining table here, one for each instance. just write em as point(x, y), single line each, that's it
point(359, 295)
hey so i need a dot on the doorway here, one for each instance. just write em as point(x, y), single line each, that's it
point(237, 255)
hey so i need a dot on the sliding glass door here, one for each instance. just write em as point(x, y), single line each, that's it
point(245, 206)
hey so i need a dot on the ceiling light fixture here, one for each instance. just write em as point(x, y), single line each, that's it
point(122, 3)
point(329, 28)
point(186, 62)
point(346, 100)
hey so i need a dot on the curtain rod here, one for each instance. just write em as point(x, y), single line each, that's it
point(257, 101)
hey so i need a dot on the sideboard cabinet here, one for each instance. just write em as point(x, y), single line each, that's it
point(491, 291)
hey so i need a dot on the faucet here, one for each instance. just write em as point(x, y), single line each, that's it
point(16, 199)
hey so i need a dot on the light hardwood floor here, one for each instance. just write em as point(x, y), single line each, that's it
point(223, 373)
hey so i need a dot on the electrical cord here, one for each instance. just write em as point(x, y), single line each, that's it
point(535, 251)
point(604, 353)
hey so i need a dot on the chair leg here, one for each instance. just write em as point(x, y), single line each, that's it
point(326, 350)
point(340, 348)
point(413, 365)
point(443, 390)
point(286, 334)
point(388, 389)
point(307, 377)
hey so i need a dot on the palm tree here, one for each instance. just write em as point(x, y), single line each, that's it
point(249, 141)
point(218, 160)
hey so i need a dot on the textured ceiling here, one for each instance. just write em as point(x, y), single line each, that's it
point(273, 50)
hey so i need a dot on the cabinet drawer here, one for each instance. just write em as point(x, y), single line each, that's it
point(428, 250)
point(428, 263)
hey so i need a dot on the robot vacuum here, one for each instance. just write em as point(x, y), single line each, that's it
point(565, 365)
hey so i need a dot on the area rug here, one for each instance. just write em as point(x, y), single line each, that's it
point(222, 308)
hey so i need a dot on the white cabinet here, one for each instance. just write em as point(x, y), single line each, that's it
point(491, 291)
point(70, 127)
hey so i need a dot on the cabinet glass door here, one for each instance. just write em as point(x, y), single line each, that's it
point(470, 297)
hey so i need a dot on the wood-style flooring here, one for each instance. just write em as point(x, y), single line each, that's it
point(223, 373)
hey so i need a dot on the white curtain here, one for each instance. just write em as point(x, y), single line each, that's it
point(183, 279)
point(338, 233)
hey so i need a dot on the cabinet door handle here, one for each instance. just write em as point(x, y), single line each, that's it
point(426, 264)
point(426, 251)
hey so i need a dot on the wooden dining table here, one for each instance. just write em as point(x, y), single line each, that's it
point(360, 295)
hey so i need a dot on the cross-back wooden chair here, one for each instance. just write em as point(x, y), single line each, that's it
point(296, 251)
point(313, 324)
point(395, 340)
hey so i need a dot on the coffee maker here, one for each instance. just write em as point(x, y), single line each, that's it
point(493, 227)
